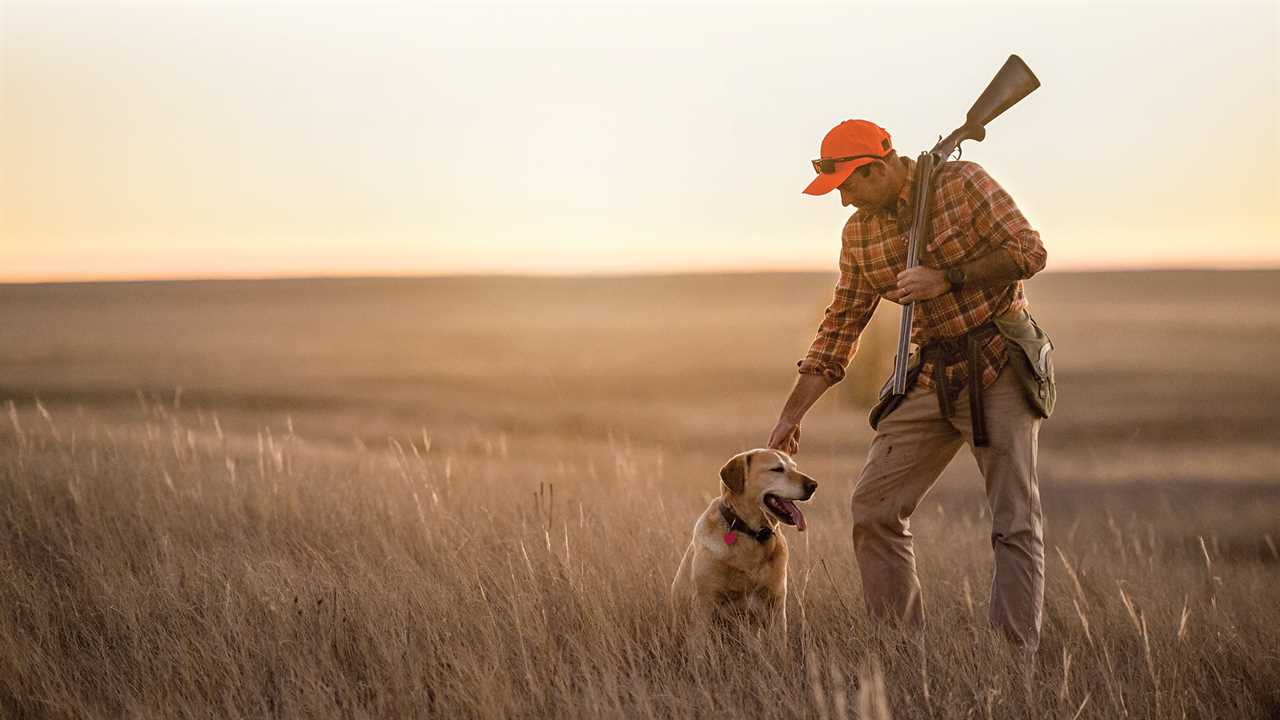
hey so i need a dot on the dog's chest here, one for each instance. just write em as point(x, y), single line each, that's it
point(745, 570)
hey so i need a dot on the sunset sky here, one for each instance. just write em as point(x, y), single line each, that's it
point(182, 139)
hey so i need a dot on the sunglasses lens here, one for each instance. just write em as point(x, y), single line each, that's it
point(826, 166)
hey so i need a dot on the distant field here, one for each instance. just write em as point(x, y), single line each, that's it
point(467, 496)
point(1164, 375)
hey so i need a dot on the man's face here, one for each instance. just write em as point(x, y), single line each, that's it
point(868, 187)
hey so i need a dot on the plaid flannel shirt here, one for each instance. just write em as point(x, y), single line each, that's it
point(972, 216)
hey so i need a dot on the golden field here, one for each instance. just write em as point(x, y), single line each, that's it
point(466, 497)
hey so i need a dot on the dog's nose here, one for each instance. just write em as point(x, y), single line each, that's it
point(810, 485)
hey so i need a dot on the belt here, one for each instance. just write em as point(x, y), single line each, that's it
point(948, 351)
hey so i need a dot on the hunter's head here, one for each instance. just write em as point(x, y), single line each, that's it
point(858, 159)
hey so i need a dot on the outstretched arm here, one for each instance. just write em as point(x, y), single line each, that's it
point(806, 391)
point(851, 306)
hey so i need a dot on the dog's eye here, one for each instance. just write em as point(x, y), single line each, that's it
point(779, 469)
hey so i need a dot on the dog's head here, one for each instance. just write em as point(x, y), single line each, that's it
point(769, 478)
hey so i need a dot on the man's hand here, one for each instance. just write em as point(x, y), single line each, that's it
point(919, 283)
point(785, 437)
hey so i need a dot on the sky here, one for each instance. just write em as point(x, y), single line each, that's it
point(250, 139)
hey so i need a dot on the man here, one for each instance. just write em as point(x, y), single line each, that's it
point(969, 278)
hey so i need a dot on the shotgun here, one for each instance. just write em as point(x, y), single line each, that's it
point(1014, 82)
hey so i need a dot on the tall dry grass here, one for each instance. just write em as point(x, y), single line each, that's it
point(171, 566)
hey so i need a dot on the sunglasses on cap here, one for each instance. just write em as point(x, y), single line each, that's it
point(826, 166)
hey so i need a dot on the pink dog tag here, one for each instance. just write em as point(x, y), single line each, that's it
point(730, 538)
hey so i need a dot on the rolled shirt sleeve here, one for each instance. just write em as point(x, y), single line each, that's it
point(997, 219)
point(850, 310)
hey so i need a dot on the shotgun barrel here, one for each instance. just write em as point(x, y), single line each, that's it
point(922, 194)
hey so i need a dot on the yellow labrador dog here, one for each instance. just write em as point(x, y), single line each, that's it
point(737, 561)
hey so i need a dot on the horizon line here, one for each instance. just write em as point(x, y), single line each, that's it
point(266, 277)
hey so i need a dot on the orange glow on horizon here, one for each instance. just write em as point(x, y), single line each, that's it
point(185, 140)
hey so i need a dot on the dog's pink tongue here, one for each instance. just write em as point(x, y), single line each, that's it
point(796, 515)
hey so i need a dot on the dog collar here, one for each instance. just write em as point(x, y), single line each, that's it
point(736, 524)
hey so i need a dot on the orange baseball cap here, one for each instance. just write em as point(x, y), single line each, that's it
point(847, 147)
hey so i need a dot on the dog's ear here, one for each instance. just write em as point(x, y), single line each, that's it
point(734, 472)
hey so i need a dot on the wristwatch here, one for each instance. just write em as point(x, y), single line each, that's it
point(956, 277)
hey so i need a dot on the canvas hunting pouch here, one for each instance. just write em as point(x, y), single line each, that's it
point(1031, 355)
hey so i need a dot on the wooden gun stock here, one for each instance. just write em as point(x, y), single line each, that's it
point(1014, 82)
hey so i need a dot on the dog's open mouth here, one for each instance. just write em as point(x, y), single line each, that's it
point(785, 510)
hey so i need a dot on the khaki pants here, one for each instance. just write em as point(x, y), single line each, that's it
point(913, 445)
